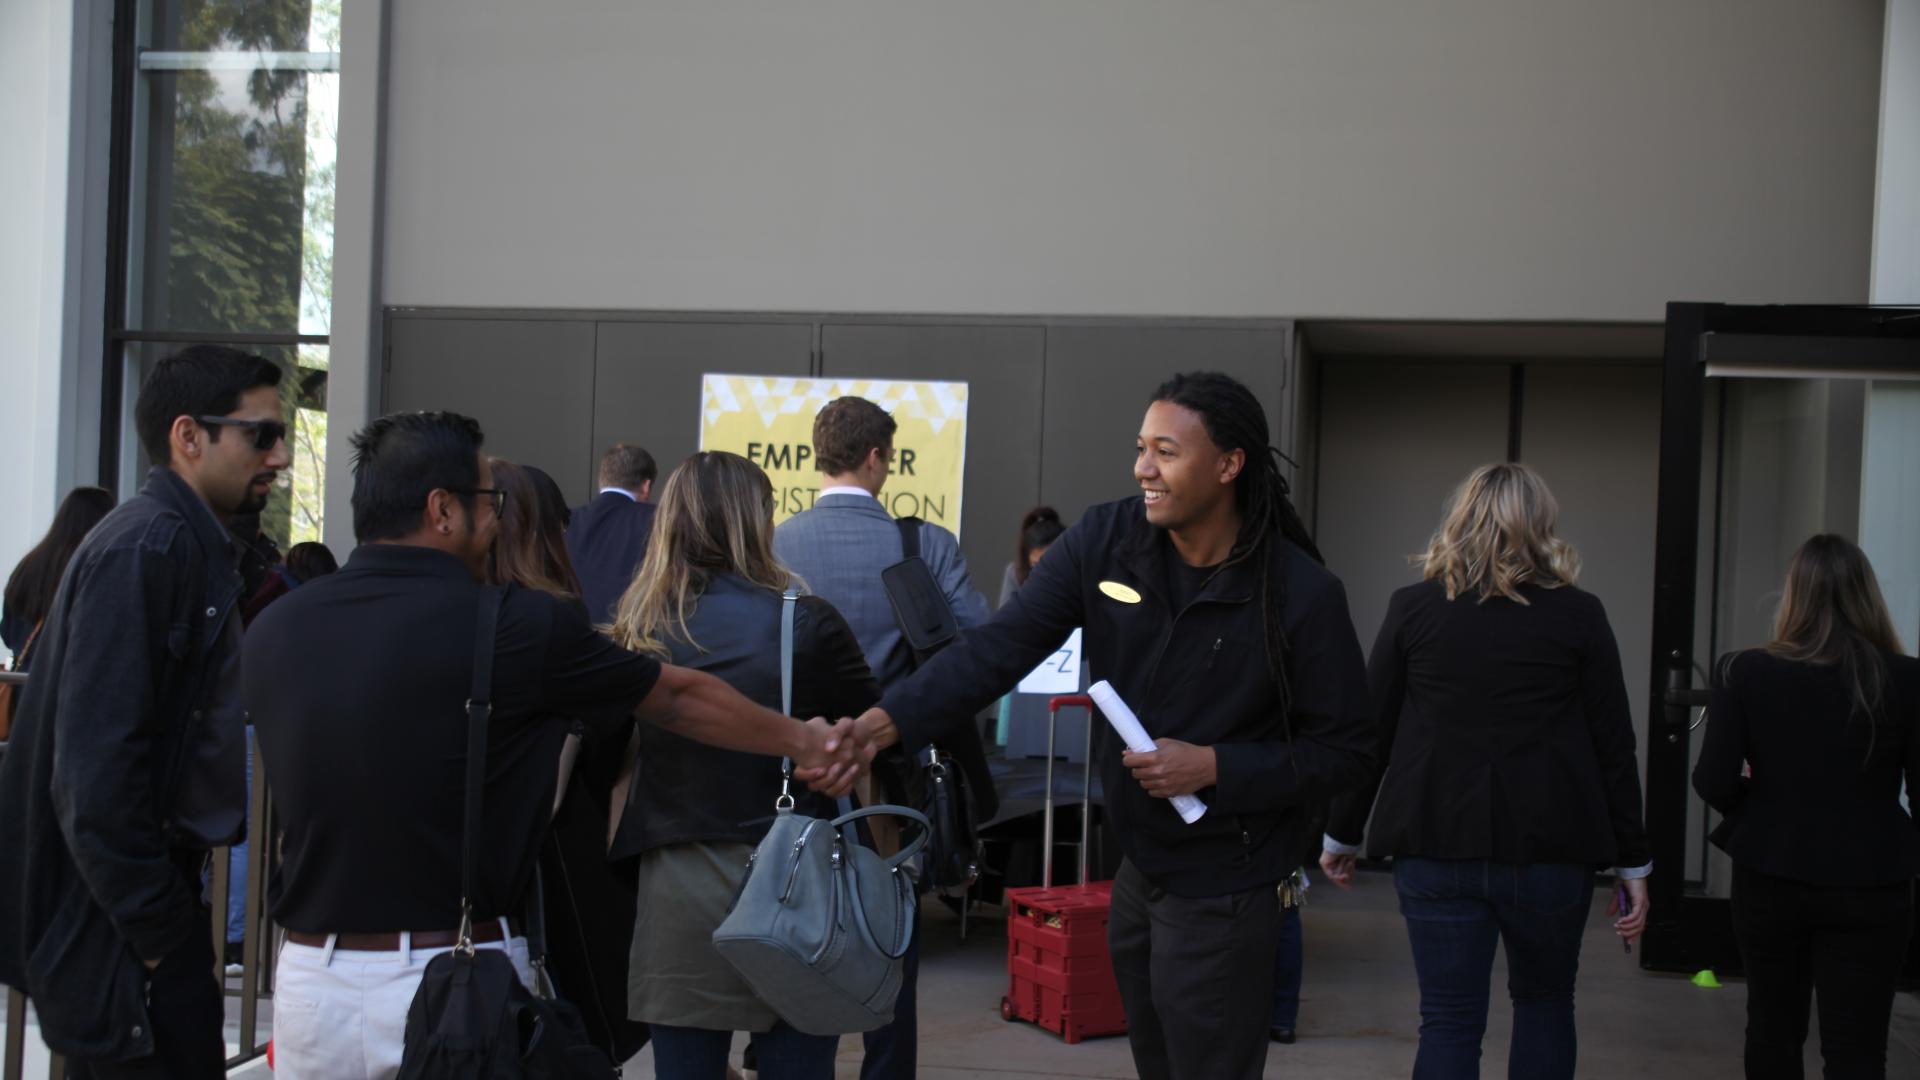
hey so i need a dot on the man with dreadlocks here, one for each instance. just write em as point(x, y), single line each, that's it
point(1206, 606)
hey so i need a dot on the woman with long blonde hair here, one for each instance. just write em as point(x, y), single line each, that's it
point(708, 595)
point(1809, 739)
point(1510, 776)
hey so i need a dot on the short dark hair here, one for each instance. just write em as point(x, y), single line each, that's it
point(400, 459)
point(848, 429)
point(199, 380)
point(626, 467)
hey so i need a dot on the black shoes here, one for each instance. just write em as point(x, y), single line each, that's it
point(1282, 1035)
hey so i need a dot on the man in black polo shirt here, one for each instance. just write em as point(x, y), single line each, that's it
point(357, 685)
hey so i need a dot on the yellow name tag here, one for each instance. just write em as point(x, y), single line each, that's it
point(1119, 592)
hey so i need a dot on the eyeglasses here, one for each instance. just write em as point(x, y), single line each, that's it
point(266, 433)
point(497, 496)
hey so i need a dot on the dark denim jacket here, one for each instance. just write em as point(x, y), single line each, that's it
point(95, 863)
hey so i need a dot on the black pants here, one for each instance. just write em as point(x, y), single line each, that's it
point(1846, 944)
point(1196, 977)
point(188, 1011)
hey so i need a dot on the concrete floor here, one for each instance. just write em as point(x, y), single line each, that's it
point(1359, 1019)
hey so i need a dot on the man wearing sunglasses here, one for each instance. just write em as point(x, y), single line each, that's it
point(127, 763)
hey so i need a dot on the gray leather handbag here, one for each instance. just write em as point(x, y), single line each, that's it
point(821, 921)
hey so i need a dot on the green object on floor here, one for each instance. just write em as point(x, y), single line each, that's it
point(1705, 980)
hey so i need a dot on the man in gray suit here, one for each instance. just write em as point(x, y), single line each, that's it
point(839, 547)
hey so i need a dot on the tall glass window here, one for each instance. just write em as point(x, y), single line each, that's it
point(226, 127)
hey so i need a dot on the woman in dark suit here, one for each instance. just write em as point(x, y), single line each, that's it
point(1824, 855)
point(708, 596)
point(1509, 775)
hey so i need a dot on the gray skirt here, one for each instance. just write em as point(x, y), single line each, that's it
point(676, 976)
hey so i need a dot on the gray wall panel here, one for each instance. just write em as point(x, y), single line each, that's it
point(1593, 431)
point(1396, 437)
point(1002, 367)
point(528, 381)
point(1099, 379)
point(647, 378)
point(1467, 159)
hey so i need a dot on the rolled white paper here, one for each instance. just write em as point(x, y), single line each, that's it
point(1127, 726)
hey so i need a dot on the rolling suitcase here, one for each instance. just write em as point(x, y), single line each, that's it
point(1059, 971)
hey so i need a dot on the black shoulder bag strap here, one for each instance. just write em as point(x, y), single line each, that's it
point(909, 536)
point(479, 711)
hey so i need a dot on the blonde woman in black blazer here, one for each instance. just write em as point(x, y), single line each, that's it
point(1510, 777)
point(1808, 740)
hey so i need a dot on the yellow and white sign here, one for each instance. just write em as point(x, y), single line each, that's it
point(769, 421)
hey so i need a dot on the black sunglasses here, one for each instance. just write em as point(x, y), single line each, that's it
point(497, 495)
point(266, 433)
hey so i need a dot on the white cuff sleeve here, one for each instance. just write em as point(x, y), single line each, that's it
point(1629, 873)
point(1335, 847)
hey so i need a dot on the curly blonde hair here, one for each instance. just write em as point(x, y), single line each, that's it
point(1497, 535)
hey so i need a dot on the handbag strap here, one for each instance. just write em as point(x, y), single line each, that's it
point(789, 601)
point(479, 711)
point(20, 658)
point(848, 815)
point(536, 914)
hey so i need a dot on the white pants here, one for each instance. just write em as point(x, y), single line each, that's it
point(342, 1015)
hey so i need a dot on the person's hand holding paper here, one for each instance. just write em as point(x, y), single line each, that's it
point(1174, 768)
point(1171, 763)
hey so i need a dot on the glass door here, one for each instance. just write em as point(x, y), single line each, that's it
point(1777, 423)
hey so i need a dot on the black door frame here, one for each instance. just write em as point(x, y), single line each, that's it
point(1688, 933)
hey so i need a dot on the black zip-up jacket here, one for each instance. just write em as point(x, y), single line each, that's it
point(1198, 675)
point(93, 868)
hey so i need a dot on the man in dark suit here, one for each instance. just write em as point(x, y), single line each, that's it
point(838, 547)
point(607, 538)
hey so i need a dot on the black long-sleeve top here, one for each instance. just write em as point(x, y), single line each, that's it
point(1823, 802)
point(684, 791)
point(1505, 732)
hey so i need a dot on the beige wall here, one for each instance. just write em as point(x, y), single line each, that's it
point(1457, 159)
point(54, 122)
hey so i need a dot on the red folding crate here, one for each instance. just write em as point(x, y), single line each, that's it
point(1059, 972)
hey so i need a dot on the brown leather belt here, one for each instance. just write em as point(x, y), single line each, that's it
point(484, 931)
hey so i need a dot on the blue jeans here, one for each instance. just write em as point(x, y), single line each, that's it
point(1456, 911)
point(683, 1053)
point(237, 865)
point(1288, 960)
